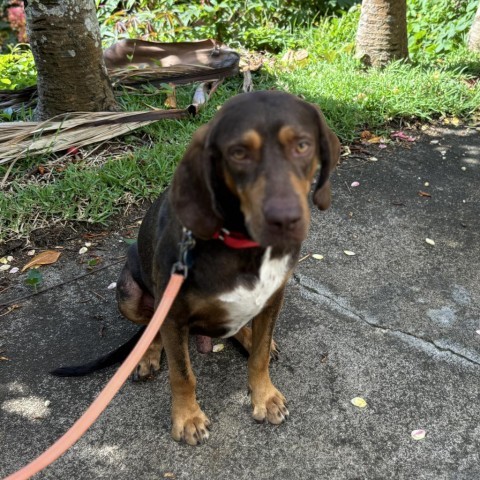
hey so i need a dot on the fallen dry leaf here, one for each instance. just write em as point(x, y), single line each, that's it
point(3, 359)
point(346, 151)
point(11, 308)
point(45, 258)
point(292, 56)
point(200, 96)
point(359, 402)
point(72, 151)
point(5, 267)
point(424, 194)
point(171, 100)
point(418, 434)
point(403, 136)
point(452, 121)
point(83, 250)
point(366, 135)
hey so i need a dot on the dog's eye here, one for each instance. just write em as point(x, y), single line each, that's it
point(302, 147)
point(238, 153)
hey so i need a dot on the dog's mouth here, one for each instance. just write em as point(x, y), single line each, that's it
point(268, 235)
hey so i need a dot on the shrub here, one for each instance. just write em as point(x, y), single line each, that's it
point(17, 69)
point(438, 26)
point(12, 22)
point(255, 24)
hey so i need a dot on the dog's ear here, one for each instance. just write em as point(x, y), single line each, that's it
point(191, 192)
point(329, 150)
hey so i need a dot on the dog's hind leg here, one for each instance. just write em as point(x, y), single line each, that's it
point(244, 338)
point(150, 362)
point(137, 305)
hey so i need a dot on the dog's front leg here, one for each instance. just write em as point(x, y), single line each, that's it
point(189, 423)
point(267, 402)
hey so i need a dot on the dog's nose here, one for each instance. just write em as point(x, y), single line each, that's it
point(281, 215)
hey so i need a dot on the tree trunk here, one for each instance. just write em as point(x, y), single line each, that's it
point(382, 32)
point(474, 34)
point(65, 41)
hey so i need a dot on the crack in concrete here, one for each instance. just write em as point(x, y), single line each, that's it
point(344, 308)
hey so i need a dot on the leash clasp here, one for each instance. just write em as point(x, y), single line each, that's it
point(185, 245)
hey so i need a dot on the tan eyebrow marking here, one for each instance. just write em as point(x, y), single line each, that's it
point(252, 139)
point(286, 135)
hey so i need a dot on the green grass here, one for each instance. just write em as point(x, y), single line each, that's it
point(352, 98)
point(93, 192)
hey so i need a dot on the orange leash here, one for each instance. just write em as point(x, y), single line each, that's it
point(110, 390)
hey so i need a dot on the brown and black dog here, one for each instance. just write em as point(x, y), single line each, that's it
point(248, 172)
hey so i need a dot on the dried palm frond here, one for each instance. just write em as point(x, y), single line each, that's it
point(18, 139)
point(24, 97)
point(133, 62)
point(132, 78)
point(176, 74)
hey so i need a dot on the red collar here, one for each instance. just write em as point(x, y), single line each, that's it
point(235, 239)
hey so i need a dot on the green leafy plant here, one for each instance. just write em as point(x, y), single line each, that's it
point(129, 241)
point(255, 24)
point(17, 68)
point(93, 262)
point(34, 278)
point(438, 27)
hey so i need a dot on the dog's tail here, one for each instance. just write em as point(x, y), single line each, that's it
point(112, 358)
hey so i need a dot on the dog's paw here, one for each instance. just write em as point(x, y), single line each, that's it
point(269, 405)
point(274, 351)
point(148, 366)
point(191, 427)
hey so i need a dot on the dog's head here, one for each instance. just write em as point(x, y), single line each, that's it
point(263, 149)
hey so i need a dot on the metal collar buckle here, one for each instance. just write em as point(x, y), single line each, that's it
point(185, 245)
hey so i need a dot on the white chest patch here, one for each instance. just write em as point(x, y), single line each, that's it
point(242, 303)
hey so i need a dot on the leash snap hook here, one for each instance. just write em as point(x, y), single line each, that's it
point(185, 245)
